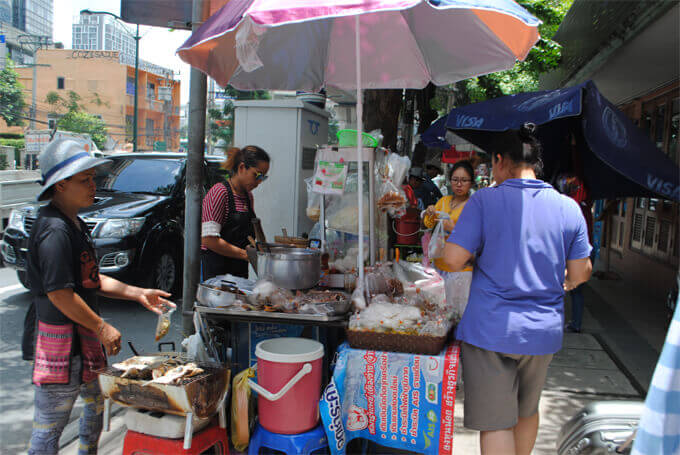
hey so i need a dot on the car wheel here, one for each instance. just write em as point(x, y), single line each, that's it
point(165, 272)
point(23, 278)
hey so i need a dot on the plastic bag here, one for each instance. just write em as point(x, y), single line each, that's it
point(457, 285)
point(343, 213)
point(163, 324)
point(313, 201)
point(390, 174)
point(196, 349)
point(435, 248)
point(242, 410)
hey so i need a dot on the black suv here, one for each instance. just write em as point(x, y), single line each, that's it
point(136, 221)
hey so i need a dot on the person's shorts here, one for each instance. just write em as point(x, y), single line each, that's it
point(499, 388)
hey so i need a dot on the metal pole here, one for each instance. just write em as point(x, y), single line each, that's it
point(134, 123)
point(193, 192)
point(360, 151)
point(33, 89)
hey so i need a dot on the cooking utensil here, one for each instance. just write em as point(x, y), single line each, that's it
point(251, 251)
point(290, 268)
point(132, 348)
point(259, 233)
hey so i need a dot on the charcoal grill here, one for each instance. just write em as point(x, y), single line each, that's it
point(201, 395)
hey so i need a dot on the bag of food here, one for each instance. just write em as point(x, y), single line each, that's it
point(313, 201)
point(163, 325)
point(435, 249)
point(391, 198)
point(242, 410)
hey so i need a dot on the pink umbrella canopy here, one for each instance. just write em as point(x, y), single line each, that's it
point(309, 44)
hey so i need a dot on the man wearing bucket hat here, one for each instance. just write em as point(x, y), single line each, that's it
point(69, 337)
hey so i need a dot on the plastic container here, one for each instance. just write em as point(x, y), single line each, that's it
point(348, 138)
point(289, 384)
point(407, 228)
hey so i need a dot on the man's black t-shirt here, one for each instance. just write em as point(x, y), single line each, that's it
point(60, 256)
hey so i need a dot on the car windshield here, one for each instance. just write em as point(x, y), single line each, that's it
point(140, 175)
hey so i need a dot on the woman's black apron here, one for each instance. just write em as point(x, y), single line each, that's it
point(235, 230)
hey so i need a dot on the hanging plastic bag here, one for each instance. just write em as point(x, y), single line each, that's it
point(242, 410)
point(313, 201)
point(390, 174)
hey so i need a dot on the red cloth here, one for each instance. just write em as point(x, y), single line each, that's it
point(410, 195)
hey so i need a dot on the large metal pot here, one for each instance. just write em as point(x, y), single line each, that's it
point(290, 268)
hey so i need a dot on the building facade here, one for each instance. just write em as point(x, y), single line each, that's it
point(106, 89)
point(20, 18)
point(33, 16)
point(102, 32)
point(633, 56)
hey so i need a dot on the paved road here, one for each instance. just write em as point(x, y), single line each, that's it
point(16, 392)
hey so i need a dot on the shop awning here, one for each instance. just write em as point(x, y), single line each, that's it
point(612, 155)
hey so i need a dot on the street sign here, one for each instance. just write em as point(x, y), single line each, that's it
point(165, 93)
point(3, 52)
point(159, 146)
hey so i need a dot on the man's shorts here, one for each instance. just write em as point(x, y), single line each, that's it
point(499, 388)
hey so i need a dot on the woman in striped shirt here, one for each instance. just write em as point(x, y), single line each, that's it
point(226, 221)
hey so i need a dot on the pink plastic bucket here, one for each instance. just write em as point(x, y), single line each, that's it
point(289, 384)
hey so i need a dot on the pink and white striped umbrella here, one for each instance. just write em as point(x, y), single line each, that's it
point(309, 44)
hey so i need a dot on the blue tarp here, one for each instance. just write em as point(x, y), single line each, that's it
point(612, 155)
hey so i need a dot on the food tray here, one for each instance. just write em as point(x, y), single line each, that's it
point(269, 315)
point(396, 342)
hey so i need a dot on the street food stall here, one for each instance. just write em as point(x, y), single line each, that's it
point(398, 356)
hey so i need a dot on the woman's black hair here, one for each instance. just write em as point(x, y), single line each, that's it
point(249, 155)
point(521, 146)
point(466, 166)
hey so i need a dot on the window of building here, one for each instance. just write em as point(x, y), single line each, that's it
point(150, 90)
point(60, 83)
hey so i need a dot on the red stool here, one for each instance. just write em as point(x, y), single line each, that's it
point(212, 436)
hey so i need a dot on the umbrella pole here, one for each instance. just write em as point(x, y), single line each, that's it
point(360, 162)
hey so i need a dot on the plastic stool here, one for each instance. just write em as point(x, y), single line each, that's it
point(291, 444)
point(213, 436)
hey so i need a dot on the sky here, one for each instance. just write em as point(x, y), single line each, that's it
point(158, 45)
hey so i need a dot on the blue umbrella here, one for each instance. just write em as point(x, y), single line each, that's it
point(435, 135)
point(613, 155)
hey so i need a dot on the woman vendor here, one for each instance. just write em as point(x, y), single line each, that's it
point(531, 244)
point(228, 211)
point(457, 284)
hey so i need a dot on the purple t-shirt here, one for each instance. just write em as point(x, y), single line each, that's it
point(522, 232)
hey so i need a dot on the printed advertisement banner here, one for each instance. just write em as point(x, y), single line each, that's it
point(398, 400)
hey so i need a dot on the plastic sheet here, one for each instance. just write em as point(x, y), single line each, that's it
point(313, 201)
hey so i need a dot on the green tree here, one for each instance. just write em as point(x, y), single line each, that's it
point(74, 118)
point(12, 103)
point(523, 77)
point(82, 122)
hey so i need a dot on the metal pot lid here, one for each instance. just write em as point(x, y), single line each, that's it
point(291, 254)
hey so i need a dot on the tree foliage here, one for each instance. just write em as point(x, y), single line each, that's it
point(75, 119)
point(12, 103)
point(523, 77)
point(222, 121)
point(82, 122)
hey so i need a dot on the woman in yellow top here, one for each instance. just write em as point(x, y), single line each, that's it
point(457, 284)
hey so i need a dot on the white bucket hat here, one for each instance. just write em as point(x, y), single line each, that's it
point(64, 158)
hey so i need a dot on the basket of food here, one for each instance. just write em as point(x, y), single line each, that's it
point(396, 342)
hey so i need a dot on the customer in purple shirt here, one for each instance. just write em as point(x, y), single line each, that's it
point(530, 245)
